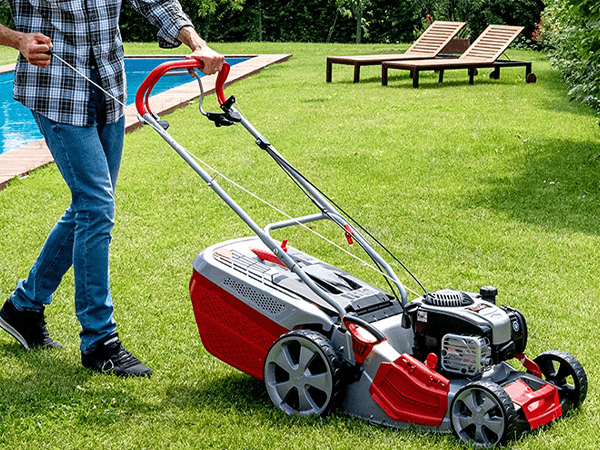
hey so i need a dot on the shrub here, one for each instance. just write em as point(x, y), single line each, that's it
point(572, 29)
point(526, 13)
point(480, 13)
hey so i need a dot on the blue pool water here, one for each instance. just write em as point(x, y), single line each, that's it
point(17, 126)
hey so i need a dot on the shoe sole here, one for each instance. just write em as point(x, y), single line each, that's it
point(14, 333)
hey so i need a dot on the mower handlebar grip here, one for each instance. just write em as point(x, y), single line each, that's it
point(143, 92)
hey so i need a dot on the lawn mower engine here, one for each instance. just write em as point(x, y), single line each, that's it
point(468, 332)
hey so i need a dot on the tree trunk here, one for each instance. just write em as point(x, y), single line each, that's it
point(332, 26)
point(358, 16)
point(259, 21)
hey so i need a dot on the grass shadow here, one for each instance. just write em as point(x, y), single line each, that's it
point(234, 391)
point(555, 185)
point(38, 378)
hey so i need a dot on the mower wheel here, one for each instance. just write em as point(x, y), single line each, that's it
point(566, 373)
point(483, 414)
point(302, 373)
point(494, 75)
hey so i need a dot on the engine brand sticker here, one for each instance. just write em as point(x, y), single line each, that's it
point(478, 308)
point(422, 316)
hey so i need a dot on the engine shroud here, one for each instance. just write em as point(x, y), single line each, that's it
point(468, 333)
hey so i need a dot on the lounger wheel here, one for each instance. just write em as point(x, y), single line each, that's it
point(302, 373)
point(483, 414)
point(566, 373)
point(531, 78)
point(494, 75)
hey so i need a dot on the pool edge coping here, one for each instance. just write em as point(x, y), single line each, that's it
point(21, 161)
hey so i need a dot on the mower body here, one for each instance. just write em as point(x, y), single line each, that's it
point(438, 356)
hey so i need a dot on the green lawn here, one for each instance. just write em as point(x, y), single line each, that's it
point(490, 184)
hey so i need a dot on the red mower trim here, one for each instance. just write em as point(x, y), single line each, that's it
point(530, 365)
point(143, 92)
point(266, 255)
point(363, 341)
point(540, 407)
point(408, 390)
point(349, 233)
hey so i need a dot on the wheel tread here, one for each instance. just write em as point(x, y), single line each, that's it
point(333, 358)
point(579, 372)
point(510, 414)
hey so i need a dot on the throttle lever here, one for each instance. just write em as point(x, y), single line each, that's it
point(226, 118)
point(220, 119)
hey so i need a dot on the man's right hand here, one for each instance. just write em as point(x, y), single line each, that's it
point(36, 48)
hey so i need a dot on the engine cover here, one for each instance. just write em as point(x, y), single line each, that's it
point(468, 333)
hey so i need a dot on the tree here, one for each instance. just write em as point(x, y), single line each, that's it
point(356, 8)
point(204, 14)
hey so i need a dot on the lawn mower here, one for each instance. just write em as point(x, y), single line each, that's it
point(321, 338)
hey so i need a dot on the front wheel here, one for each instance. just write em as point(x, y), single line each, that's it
point(566, 373)
point(483, 414)
point(302, 373)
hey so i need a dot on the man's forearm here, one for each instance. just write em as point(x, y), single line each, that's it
point(211, 60)
point(189, 37)
point(9, 37)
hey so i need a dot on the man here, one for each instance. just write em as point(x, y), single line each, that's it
point(84, 129)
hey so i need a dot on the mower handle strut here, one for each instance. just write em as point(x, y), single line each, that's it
point(229, 116)
point(143, 93)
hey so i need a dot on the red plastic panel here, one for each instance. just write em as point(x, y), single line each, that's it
point(231, 330)
point(408, 390)
point(539, 407)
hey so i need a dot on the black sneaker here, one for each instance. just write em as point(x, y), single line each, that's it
point(27, 327)
point(109, 356)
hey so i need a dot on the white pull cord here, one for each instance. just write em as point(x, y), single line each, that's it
point(54, 55)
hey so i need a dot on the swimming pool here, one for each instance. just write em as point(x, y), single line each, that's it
point(18, 128)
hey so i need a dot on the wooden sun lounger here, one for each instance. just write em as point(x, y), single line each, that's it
point(484, 52)
point(429, 45)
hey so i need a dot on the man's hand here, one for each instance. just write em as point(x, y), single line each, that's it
point(35, 47)
point(213, 61)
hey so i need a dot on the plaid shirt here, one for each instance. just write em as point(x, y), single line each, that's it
point(85, 33)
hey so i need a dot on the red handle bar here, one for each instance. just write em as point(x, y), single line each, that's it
point(143, 93)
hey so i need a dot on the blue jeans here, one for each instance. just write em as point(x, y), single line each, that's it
point(88, 159)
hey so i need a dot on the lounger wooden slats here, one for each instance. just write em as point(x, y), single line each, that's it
point(492, 42)
point(433, 39)
point(428, 45)
point(484, 52)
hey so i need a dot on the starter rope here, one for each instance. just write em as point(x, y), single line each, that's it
point(54, 55)
point(237, 185)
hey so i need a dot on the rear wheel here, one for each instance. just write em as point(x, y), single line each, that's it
point(566, 373)
point(302, 373)
point(483, 414)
